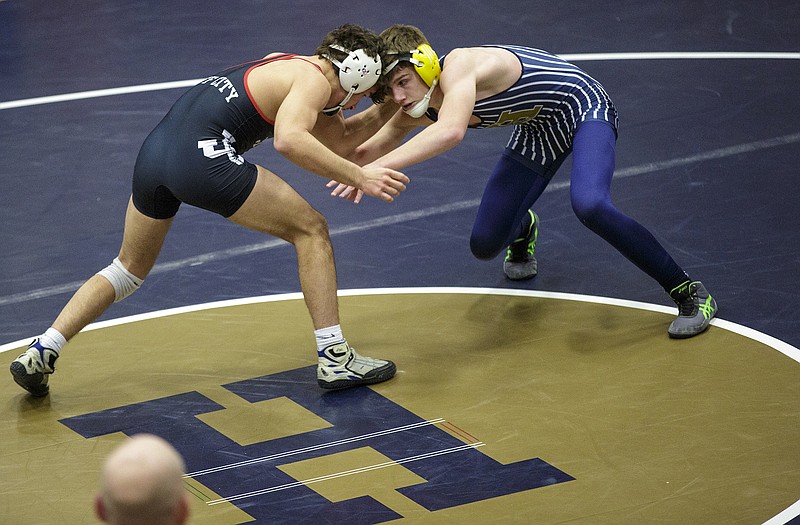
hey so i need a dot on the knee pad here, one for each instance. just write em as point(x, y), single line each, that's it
point(123, 281)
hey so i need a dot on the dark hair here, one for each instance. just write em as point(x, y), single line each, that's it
point(352, 37)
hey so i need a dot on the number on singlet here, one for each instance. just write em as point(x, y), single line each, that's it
point(214, 148)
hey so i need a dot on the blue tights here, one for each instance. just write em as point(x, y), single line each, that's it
point(513, 188)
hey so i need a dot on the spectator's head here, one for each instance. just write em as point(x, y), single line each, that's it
point(142, 483)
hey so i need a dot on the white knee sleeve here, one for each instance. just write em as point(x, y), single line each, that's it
point(123, 281)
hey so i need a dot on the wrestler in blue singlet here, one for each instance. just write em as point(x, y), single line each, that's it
point(556, 109)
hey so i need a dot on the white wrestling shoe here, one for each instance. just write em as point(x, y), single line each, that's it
point(340, 366)
point(32, 369)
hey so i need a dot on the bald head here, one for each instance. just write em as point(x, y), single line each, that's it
point(142, 482)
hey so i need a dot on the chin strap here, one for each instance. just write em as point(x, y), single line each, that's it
point(337, 108)
point(421, 107)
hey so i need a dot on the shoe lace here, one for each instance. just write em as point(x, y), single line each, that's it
point(518, 250)
point(688, 307)
point(522, 247)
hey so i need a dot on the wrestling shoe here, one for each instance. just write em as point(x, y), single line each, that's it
point(696, 308)
point(520, 264)
point(32, 369)
point(340, 366)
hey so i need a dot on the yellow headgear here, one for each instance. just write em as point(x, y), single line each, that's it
point(425, 61)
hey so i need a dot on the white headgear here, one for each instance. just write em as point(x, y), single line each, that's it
point(358, 72)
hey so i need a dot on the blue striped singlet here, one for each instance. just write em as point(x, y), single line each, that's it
point(545, 107)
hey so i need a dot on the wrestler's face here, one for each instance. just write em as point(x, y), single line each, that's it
point(354, 100)
point(407, 87)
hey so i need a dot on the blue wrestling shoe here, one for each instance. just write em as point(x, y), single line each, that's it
point(32, 369)
point(340, 366)
point(520, 264)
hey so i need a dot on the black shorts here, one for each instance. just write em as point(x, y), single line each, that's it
point(174, 167)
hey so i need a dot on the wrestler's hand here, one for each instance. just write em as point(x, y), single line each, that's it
point(345, 192)
point(383, 183)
